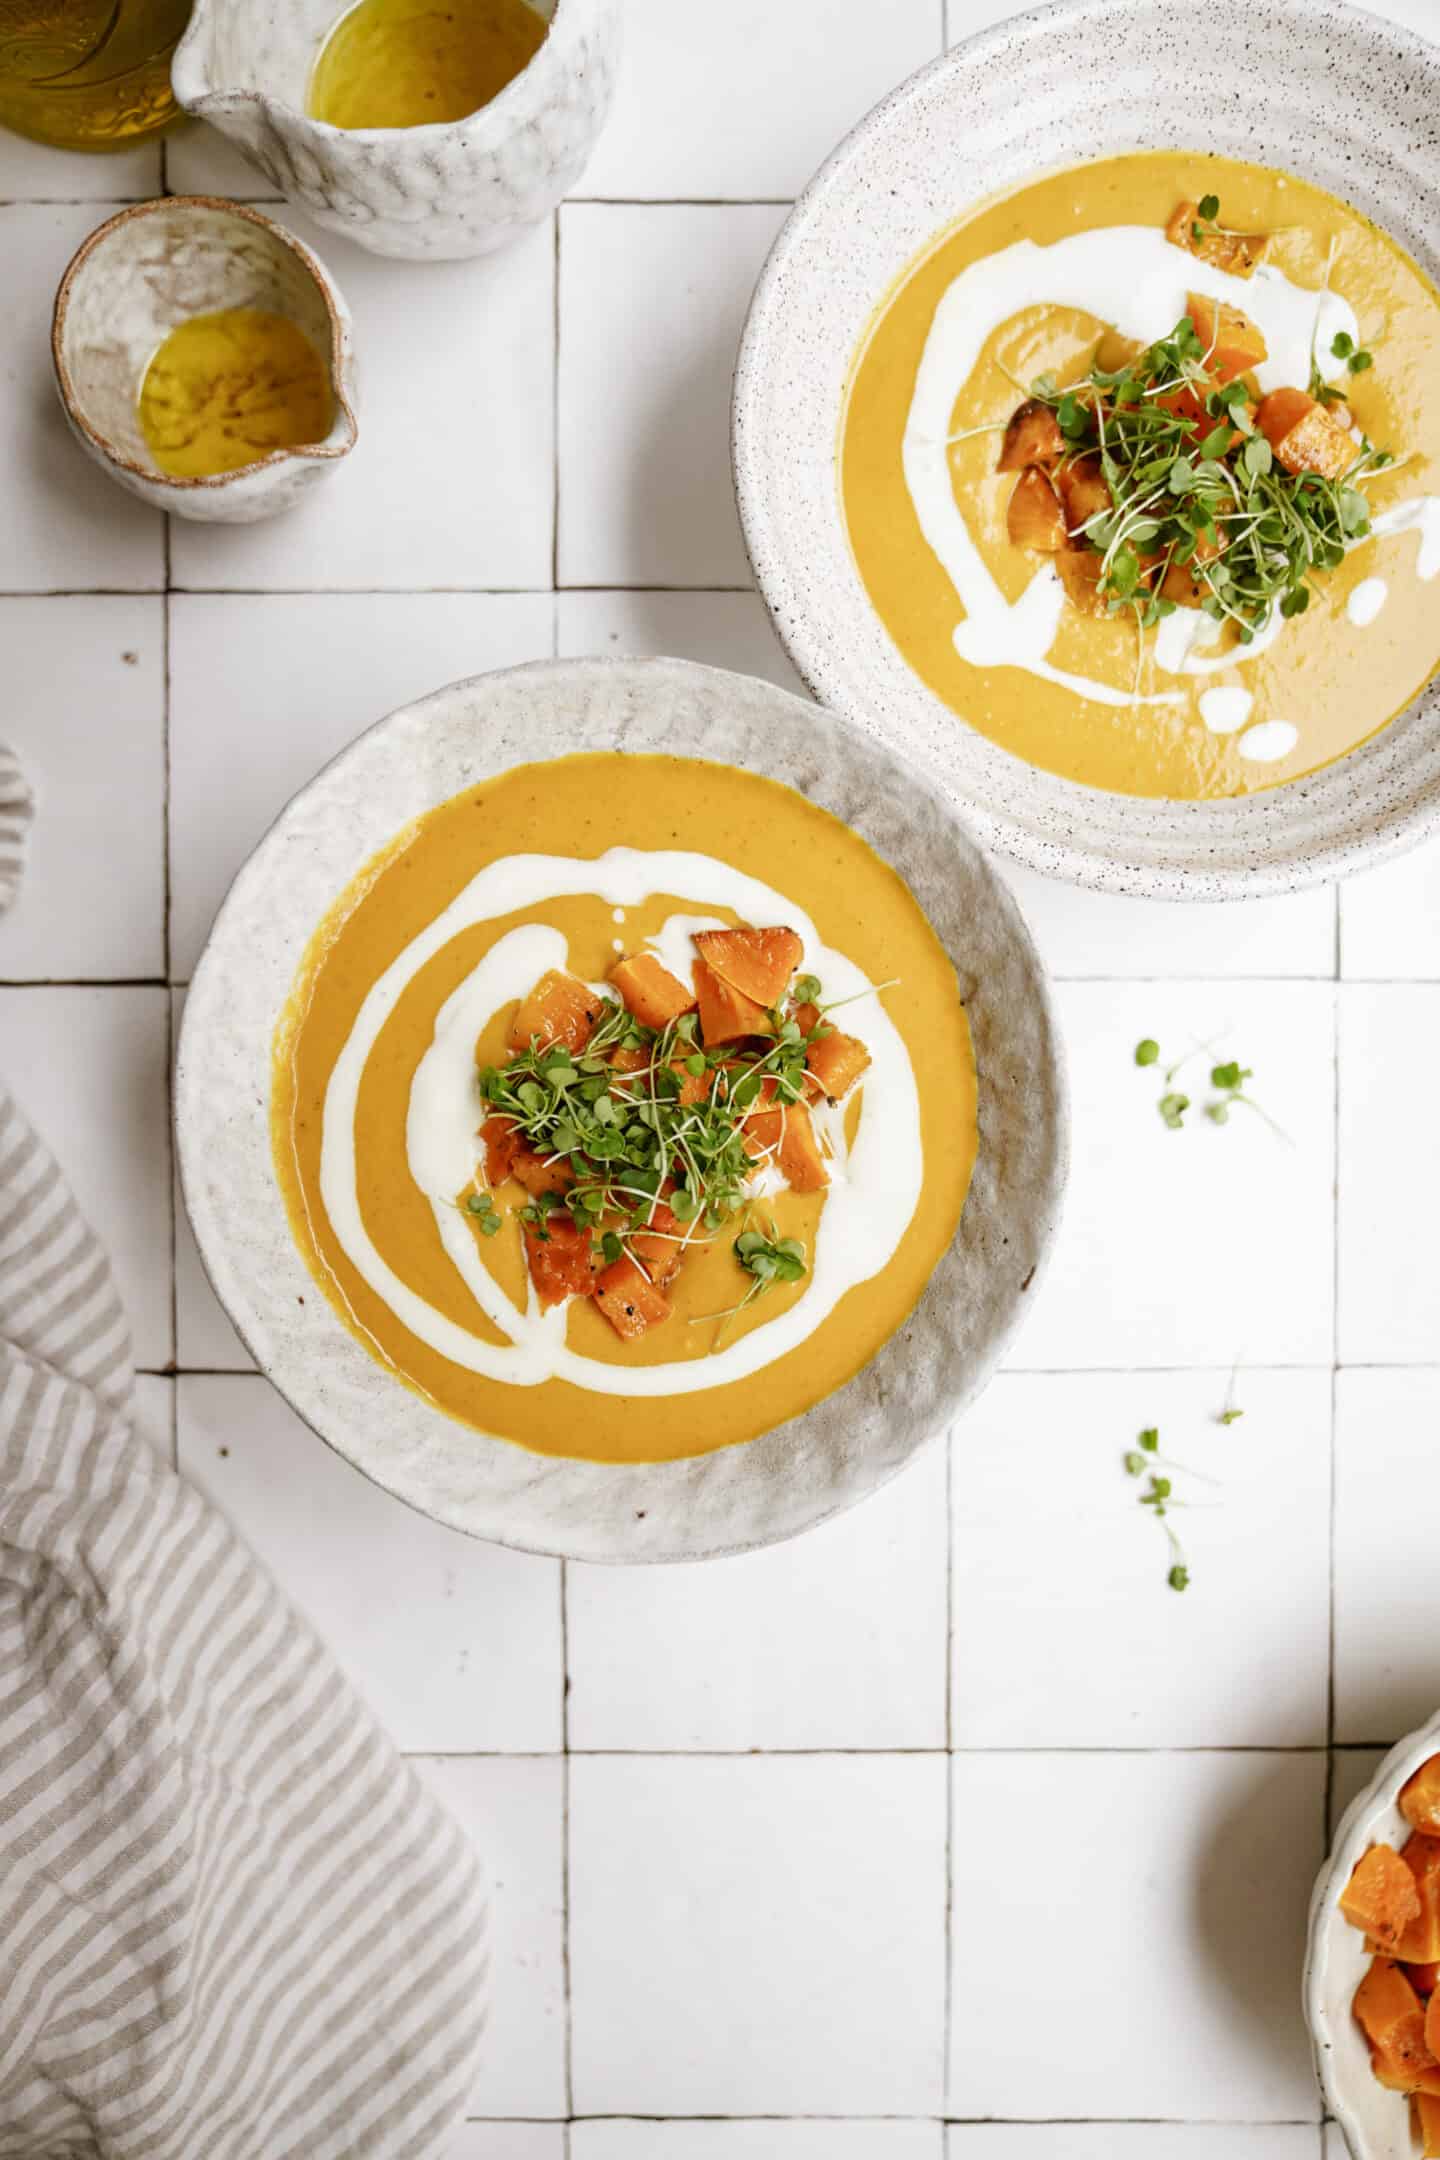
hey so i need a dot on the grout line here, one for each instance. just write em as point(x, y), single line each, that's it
point(83, 982)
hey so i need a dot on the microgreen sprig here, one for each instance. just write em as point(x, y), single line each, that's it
point(623, 1126)
point(482, 1208)
point(1194, 487)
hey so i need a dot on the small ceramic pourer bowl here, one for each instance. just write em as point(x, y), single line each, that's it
point(462, 187)
point(157, 265)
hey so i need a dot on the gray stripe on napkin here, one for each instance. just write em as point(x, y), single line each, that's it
point(17, 807)
point(232, 1921)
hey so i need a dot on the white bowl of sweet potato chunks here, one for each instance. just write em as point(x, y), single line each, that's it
point(1372, 1975)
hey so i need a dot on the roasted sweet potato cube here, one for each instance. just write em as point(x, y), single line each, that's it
point(787, 1134)
point(1392, 2019)
point(1183, 583)
point(651, 992)
point(1420, 1798)
point(536, 1174)
point(837, 1062)
point(1032, 437)
point(1035, 520)
point(502, 1141)
point(757, 963)
point(1420, 1942)
point(1400, 2073)
point(1381, 1898)
point(1427, 2108)
point(1302, 434)
point(1079, 569)
point(628, 1299)
point(561, 1259)
point(560, 1009)
point(660, 1247)
point(726, 1015)
point(1233, 344)
point(1236, 252)
point(1083, 492)
point(1432, 2022)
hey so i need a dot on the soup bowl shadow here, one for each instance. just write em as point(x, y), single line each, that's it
point(738, 1497)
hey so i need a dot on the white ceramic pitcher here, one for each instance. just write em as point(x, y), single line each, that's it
point(460, 188)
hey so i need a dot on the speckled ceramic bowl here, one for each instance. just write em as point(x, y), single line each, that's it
point(1376, 2123)
point(131, 282)
point(1343, 99)
point(738, 1497)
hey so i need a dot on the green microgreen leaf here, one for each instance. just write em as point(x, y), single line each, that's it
point(1147, 1052)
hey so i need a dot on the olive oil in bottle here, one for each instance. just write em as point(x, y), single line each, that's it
point(88, 74)
point(411, 63)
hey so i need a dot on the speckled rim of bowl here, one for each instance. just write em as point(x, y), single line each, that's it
point(324, 284)
point(740, 1497)
point(1375, 2122)
point(188, 75)
point(1348, 103)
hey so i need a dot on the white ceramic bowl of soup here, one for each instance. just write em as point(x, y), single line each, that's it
point(1375, 2121)
point(806, 1466)
point(1336, 97)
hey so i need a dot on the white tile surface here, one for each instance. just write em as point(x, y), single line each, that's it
point(199, 160)
point(455, 1644)
point(769, 2140)
point(1132, 2141)
point(38, 172)
point(205, 1341)
point(1088, 935)
point(266, 689)
point(67, 526)
point(1208, 1244)
point(836, 1641)
point(1389, 1182)
point(1387, 1592)
point(451, 481)
point(84, 706)
point(1352, 1772)
point(758, 1936)
point(507, 2141)
point(1174, 1885)
point(1390, 920)
point(89, 1069)
point(645, 493)
point(719, 629)
point(513, 1812)
point(707, 108)
point(1078, 1641)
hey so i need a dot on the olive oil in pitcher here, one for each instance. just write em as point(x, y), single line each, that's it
point(411, 63)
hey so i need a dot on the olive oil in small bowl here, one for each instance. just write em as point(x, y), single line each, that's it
point(411, 63)
point(203, 356)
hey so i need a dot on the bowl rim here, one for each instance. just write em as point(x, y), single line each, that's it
point(1352, 1837)
point(344, 427)
point(192, 1153)
point(1064, 857)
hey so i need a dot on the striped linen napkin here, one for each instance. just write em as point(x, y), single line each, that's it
point(16, 810)
point(233, 1924)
